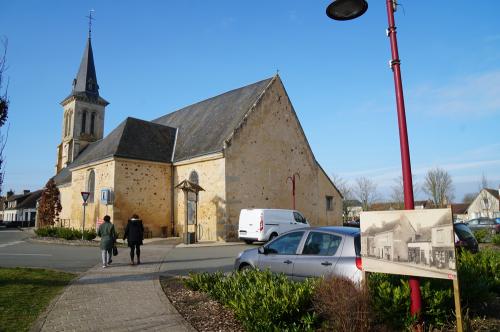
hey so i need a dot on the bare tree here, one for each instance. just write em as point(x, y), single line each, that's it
point(365, 191)
point(346, 192)
point(469, 198)
point(397, 191)
point(439, 186)
point(4, 107)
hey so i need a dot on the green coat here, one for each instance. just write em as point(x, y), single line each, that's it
point(108, 235)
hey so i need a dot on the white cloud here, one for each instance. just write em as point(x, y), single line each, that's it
point(475, 94)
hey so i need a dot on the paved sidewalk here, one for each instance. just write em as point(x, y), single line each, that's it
point(118, 298)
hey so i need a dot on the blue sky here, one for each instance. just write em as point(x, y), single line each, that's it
point(154, 57)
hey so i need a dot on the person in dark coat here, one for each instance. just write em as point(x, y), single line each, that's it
point(108, 235)
point(134, 233)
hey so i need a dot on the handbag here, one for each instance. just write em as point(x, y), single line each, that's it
point(115, 250)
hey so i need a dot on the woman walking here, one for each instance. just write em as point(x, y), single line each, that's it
point(134, 232)
point(108, 235)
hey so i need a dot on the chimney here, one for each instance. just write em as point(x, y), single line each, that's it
point(25, 191)
point(10, 193)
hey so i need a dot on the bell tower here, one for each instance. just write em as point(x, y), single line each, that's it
point(83, 111)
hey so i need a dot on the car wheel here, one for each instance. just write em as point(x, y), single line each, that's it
point(246, 267)
point(248, 241)
point(272, 236)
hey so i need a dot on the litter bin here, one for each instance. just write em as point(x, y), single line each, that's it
point(189, 238)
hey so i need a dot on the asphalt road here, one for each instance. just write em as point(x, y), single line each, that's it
point(181, 261)
point(16, 251)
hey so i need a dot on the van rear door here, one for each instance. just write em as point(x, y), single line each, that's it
point(249, 224)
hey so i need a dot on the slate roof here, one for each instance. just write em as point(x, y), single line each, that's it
point(493, 192)
point(132, 139)
point(204, 126)
point(85, 84)
point(30, 201)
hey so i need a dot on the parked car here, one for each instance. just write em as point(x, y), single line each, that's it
point(491, 225)
point(266, 224)
point(308, 252)
point(464, 238)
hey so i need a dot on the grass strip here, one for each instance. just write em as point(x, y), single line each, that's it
point(25, 293)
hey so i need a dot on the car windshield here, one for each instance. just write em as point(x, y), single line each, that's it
point(463, 232)
point(357, 245)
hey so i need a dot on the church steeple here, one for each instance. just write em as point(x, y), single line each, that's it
point(86, 79)
point(84, 110)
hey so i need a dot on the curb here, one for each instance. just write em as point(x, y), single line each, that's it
point(209, 244)
point(163, 297)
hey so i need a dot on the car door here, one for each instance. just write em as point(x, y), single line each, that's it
point(280, 254)
point(319, 255)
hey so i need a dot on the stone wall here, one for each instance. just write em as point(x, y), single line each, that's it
point(142, 188)
point(104, 178)
point(211, 202)
point(268, 147)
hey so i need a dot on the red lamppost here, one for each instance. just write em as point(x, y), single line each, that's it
point(343, 10)
point(292, 178)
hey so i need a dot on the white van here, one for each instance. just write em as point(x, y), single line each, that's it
point(266, 224)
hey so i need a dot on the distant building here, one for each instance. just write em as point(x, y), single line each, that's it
point(21, 208)
point(486, 204)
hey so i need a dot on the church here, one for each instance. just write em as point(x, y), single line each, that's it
point(192, 170)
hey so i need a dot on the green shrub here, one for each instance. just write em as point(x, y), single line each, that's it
point(46, 231)
point(68, 233)
point(261, 300)
point(482, 235)
point(496, 239)
point(479, 277)
point(89, 235)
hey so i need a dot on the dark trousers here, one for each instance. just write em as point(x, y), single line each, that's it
point(137, 248)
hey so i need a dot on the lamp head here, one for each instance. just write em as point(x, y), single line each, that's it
point(343, 10)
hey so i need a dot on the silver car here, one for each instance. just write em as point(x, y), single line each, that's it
point(308, 252)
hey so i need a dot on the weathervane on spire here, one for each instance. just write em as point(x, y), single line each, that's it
point(90, 21)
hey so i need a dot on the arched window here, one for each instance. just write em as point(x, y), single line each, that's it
point(65, 124)
point(92, 123)
point(193, 177)
point(91, 186)
point(84, 121)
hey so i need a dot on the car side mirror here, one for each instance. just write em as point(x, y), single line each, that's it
point(262, 250)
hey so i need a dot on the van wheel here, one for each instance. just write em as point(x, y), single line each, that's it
point(272, 236)
point(248, 241)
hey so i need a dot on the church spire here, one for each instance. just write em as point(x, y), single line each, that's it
point(86, 79)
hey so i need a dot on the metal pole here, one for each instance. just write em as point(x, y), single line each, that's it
point(416, 299)
point(293, 191)
point(83, 224)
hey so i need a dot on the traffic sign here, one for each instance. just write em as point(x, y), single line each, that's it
point(85, 196)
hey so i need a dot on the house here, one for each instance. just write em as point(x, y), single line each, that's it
point(486, 204)
point(21, 208)
point(353, 209)
point(192, 170)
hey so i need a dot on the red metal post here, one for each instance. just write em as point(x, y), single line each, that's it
point(292, 178)
point(416, 300)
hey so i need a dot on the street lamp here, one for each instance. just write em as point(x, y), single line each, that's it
point(343, 10)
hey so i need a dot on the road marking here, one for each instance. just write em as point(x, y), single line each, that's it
point(9, 232)
point(1, 254)
point(10, 244)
